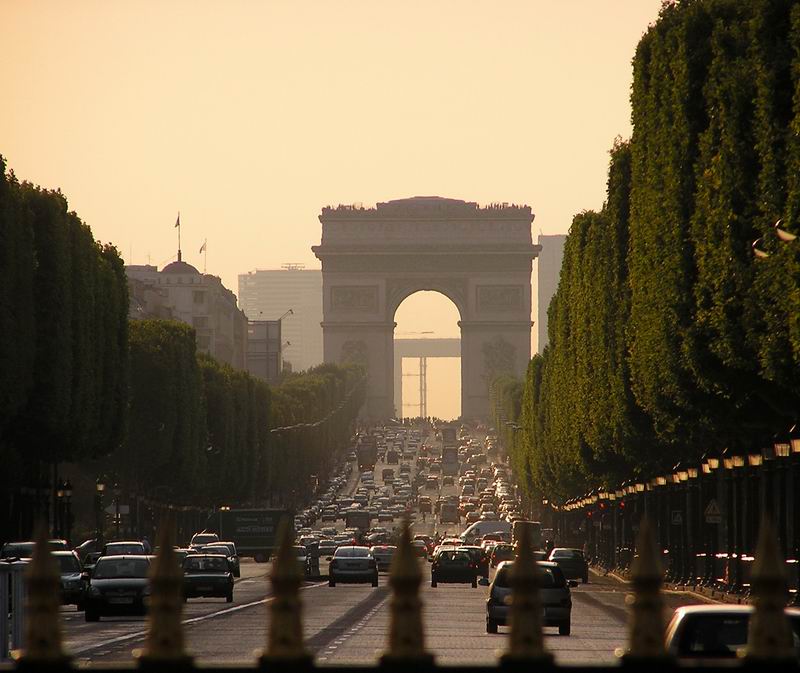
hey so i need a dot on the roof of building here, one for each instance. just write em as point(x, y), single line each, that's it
point(179, 267)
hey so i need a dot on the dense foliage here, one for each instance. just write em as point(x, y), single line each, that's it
point(668, 337)
point(204, 433)
point(63, 335)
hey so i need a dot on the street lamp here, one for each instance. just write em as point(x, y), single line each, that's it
point(67, 509)
point(100, 487)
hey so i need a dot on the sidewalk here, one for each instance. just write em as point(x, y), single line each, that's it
point(704, 594)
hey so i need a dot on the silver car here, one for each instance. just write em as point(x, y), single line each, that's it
point(554, 595)
point(352, 564)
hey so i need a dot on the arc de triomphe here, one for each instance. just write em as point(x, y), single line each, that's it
point(478, 257)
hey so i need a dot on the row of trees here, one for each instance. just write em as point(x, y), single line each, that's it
point(668, 337)
point(80, 384)
point(63, 335)
point(204, 433)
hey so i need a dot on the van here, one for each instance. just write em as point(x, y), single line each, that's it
point(481, 528)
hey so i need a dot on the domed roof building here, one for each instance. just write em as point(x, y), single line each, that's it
point(180, 292)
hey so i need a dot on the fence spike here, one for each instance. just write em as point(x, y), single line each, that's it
point(646, 621)
point(285, 636)
point(769, 635)
point(526, 642)
point(164, 641)
point(42, 628)
point(406, 633)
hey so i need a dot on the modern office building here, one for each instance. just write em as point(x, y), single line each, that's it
point(269, 294)
point(546, 270)
point(264, 350)
point(180, 292)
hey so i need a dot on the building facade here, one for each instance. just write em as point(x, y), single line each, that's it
point(180, 292)
point(547, 270)
point(269, 294)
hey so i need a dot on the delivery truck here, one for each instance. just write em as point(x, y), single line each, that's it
point(253, 531)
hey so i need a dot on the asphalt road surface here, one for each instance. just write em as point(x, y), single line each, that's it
point(349, 623)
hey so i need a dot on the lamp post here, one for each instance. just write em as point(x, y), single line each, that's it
point(58, 524)
point(116, 507)
point(99, 488)
point(68, 509)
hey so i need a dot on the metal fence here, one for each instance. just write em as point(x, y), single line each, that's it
point(770, 644)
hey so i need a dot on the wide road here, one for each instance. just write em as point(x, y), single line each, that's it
point(349, 623)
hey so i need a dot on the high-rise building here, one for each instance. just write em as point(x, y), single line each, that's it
point(547, 270)
point(269, 294)
point(180, 292)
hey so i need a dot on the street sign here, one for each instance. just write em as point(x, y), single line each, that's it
point(677, 517)
point(123, 509)
point(712, 513)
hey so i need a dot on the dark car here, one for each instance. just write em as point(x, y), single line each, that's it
point(480, 557)
point(454, 566)
point(118, 586)
point(229, 549)
point(715, 632)
point(383, 555)
point(25, 549)
point(571, 562)
point(207, 575)
point(199, 539)
point(73, 586)
point(500, 553)
point(554, 595)
point(352, 564)
point(125, 548)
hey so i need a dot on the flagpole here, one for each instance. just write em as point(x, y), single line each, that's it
point(179, 235)
point(205, 254)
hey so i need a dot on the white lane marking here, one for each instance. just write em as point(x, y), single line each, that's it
point(353, 630)
point(193, 620)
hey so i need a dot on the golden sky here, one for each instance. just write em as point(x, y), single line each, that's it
point(250, 116)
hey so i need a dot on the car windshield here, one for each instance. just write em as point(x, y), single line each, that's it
point(68, 564)
point(567, 554)
point(352, 552)
point(721, 635)
point(455, 557)
point(122, 549)
point(203, 538)
point(549, 578)
point(116, 568)
point(201, 564)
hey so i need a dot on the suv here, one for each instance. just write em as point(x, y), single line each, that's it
point(554, 595)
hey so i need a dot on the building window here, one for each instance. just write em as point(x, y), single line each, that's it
point(200, 322)
point(199, 297)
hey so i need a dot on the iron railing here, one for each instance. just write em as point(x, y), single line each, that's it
point(769, 645)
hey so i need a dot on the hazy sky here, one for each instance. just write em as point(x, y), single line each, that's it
point(250, 116)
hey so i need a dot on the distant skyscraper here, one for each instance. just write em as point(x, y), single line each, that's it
point(267, 294)
point(547, 268)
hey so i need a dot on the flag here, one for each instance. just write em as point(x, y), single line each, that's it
point(178, 221)
point(203, 247)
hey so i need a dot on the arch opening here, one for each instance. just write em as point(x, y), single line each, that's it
point(427, 356)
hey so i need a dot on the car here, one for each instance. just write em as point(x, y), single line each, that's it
point(207, 575)
point(199, 539)
point(352, 564)
point(572, 563)
point(300, 552)
point(385, 515)
point(383, 555)
point(473, 517)
point(17, 550)
point(448, 480)
point(500, 553)
point(118, 586)
point(715, 632)
point(554, 594)
point(125, 548)
point(453, 565)
point(229, 549)
point(479, 557)
point(73, 585)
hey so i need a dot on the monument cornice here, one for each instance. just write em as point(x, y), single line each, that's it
point(388, 250)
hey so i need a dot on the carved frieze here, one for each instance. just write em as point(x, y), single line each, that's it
point(493, 298)
point(355, 298)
